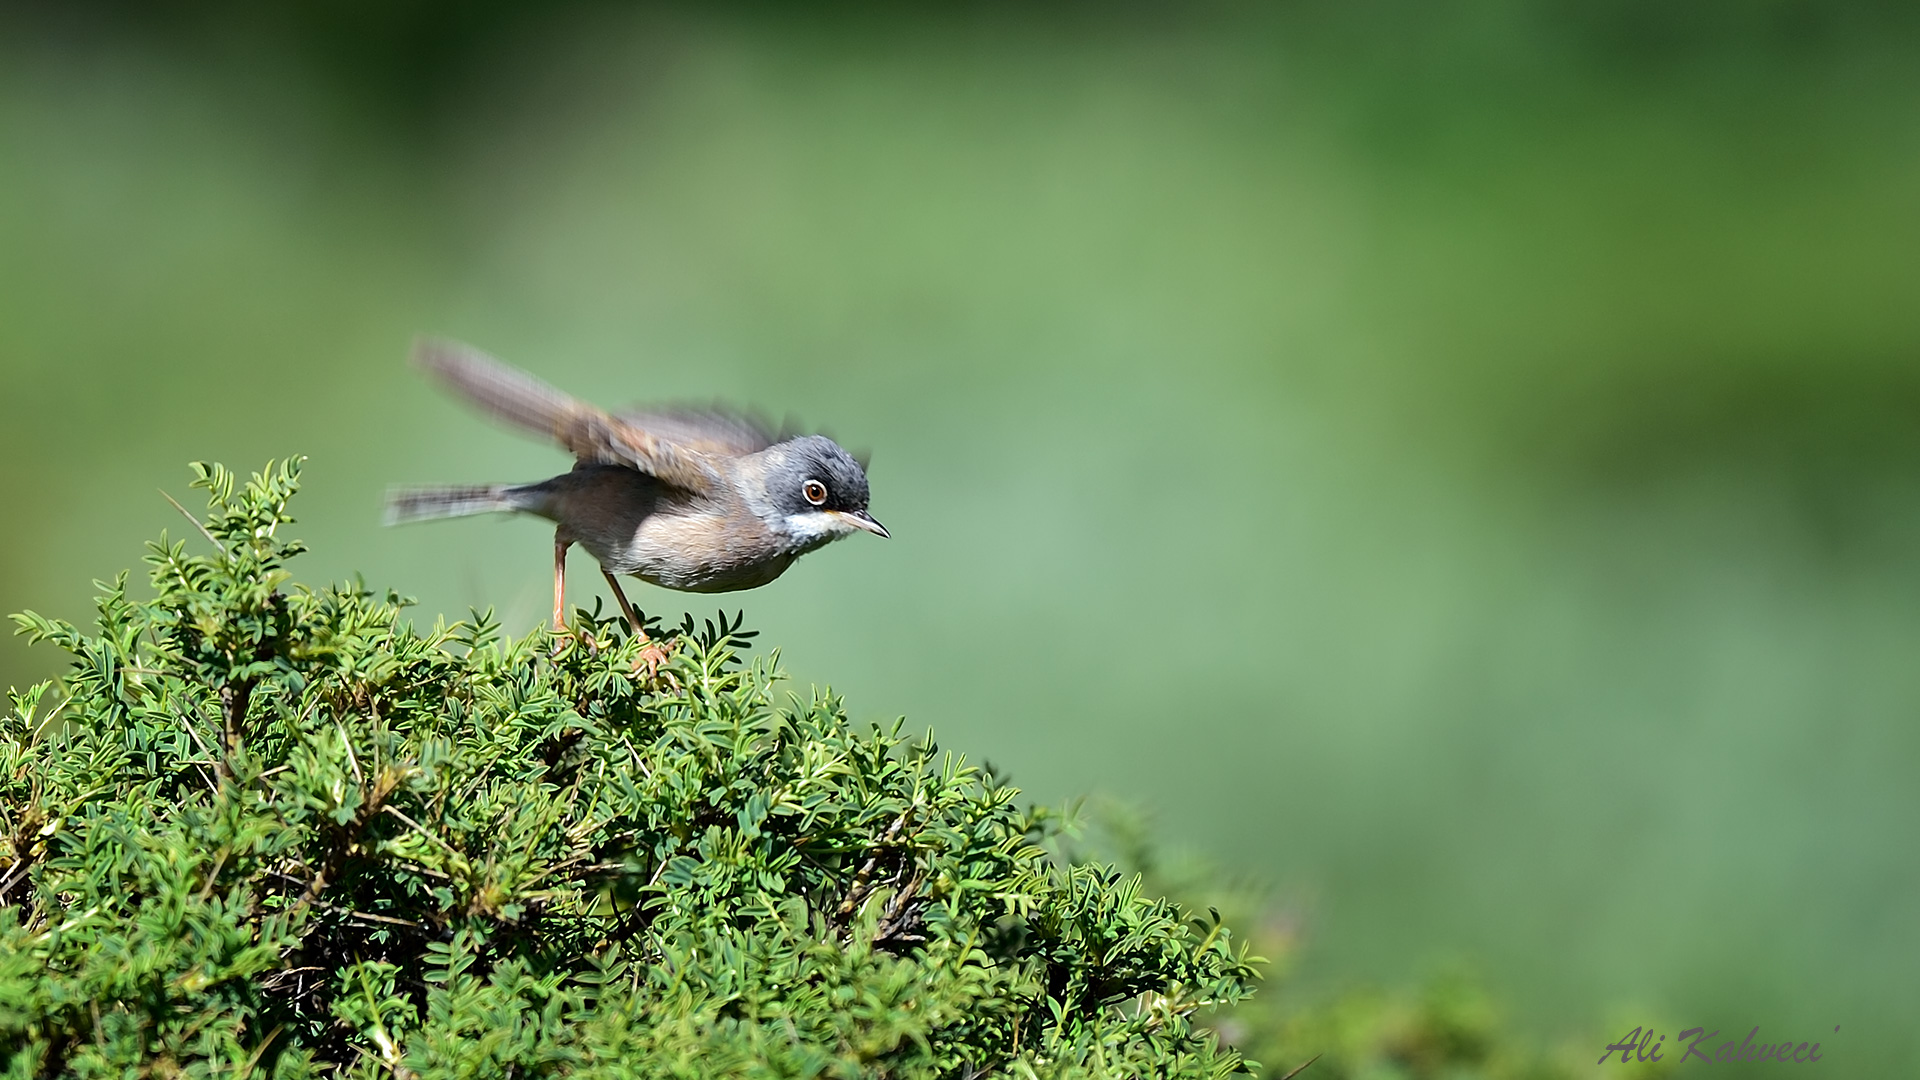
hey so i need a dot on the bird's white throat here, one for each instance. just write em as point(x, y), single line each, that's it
point(816, 526)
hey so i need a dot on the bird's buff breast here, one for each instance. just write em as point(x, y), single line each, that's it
point(699, 553)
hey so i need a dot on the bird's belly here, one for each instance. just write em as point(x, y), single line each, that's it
point(706, 579)
point(697, 553)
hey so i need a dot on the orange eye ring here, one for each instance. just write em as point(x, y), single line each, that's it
point(815, 491)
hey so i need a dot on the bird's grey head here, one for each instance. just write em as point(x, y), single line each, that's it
point(815, 490)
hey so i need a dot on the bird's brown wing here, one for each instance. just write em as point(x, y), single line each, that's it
point(716, 430)
point(591, 434)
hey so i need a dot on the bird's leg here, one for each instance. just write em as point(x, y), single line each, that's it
point(560, 545)
point(651, 654)
point(626, 606)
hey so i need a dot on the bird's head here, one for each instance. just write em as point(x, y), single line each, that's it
point(816, 491)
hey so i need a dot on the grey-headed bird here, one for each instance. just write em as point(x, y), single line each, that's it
point(702, 501)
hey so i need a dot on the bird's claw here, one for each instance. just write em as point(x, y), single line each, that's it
point(652, 656)
point(565, 634)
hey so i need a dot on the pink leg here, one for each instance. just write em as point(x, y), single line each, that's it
point(651, 654)
point(626, 607)
point(560, 546)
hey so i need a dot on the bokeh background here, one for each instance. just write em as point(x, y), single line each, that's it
point(1458, 462)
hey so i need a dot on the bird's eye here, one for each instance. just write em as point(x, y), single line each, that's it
point(815, 491)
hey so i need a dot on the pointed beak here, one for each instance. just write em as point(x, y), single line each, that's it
point(860, 519)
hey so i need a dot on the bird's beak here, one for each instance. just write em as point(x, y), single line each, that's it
point(860, 519)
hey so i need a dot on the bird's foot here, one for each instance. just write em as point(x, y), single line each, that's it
point(567, 635)
point(654, 654)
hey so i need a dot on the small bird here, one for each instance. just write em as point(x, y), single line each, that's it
point(696, 500)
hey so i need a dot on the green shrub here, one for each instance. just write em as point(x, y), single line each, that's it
point(261, 828)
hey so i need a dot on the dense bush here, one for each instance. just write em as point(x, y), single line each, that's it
point(264, 828)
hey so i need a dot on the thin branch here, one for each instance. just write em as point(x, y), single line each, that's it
point(212, 785)
point(368, 916)
point(862, 879)
point(234, 699)
point(197, 524)
point(1302, 1068)
point(212, 758)
point(658, 870)
point(15, 874)
point(351, 758)
point(48, 719)
point(900, 913)
point(422, 830)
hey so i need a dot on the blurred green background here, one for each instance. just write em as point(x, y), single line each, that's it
point(1458, 461)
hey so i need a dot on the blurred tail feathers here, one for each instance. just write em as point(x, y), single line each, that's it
point(448, 500)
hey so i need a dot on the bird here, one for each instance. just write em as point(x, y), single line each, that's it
point(697, 500)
